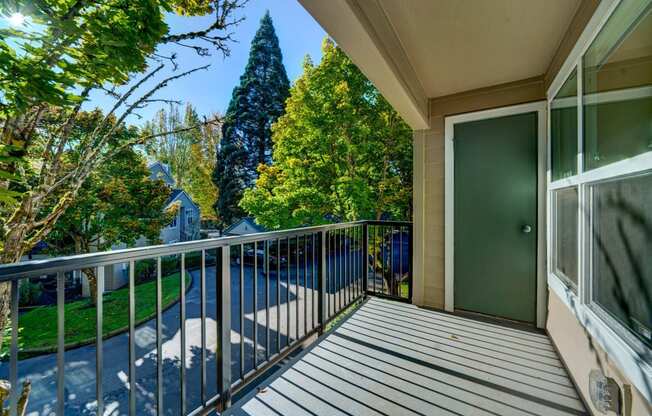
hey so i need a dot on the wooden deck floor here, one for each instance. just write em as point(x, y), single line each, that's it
point(390, 358)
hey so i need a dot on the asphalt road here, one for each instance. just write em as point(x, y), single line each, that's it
point(80, 374)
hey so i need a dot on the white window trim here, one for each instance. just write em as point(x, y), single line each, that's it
point(606, 334)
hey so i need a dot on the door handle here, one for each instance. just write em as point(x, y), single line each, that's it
point(526, 229)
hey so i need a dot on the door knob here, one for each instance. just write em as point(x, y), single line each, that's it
point(526, 229)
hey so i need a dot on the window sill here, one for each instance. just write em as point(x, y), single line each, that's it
point(629, 361)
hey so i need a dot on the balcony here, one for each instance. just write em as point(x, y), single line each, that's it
point(316, 341)
point(212, 341)
point(390, 358)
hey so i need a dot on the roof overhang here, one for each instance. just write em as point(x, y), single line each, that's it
point(377, 53)
point(418, 52)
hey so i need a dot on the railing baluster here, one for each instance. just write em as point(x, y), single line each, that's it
point(305, 284)
point(354, 261)
point(383, 251)
point(349, 268)
point(159, 336)
point(296, 290)
point(99, 348)
point(322, 283)
point(400, 258)
point(278, 296)
point(326, 247)
point(365, 258)
point(132, 340)
point(314, 286)
point(61, 299)
point(336, 275)
point(202, 306)
point(410, 277)
point(347, 260)
point(224, 329)
point(375, 255)
point(289, 258)
point(242, 310)
point(267, 325)
point(343, 265)
point(182, 318)
point(255, 290)
point(13, 351)
point(356, 266)
point(392, 276)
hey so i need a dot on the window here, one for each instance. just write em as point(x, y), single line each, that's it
point(189, 216)
point(617, 87)
point(563, 130)
point(174, 222)
point(565, 251)
point(621, 251)
point(606, 203)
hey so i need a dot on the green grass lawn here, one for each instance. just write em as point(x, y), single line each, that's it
point(38, 327)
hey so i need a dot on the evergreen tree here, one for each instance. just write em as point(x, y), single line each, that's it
point(255, 104)
point(341, 152)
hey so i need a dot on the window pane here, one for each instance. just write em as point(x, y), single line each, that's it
point(622, 243)
point(563, 129)
point(565, 214)
point(617, 82)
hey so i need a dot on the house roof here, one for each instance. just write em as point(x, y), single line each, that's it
point(250, 221)
point(176, 193)
point(163, 168)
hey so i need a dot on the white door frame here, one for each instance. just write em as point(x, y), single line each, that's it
point(540, 108)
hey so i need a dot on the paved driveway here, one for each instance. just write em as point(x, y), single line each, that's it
point(80, 362)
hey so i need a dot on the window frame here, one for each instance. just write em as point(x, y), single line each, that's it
point(553, 244)
point(630, 353)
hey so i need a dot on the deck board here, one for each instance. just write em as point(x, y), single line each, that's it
point(390, 358)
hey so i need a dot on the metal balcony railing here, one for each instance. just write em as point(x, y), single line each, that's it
point(256, 298)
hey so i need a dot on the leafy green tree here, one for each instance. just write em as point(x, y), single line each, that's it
point(203, 156)
point(118, 203)
point(256, 103)
point(340, 152)
point(173, 149)
point(66, 50)
point(190, 153)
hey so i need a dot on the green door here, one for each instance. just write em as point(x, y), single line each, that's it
point(495, 216)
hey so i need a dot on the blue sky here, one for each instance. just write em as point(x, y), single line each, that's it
point(210, 91)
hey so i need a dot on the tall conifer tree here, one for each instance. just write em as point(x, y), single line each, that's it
point(255, 104)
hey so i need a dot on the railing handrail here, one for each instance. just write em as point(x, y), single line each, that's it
point(335, 260)
point(40, 267)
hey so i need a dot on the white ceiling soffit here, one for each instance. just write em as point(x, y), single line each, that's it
point(373, 46)
point(411, 49)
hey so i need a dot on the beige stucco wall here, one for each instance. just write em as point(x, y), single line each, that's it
point(581, 354)
point(428, 179)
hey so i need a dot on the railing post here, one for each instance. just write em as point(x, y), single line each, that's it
point(322, 283)
point(365, 258)
point(410, 254)
point(224, 330)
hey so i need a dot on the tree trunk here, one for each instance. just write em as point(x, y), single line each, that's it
point(92, 284)
point(18, 228)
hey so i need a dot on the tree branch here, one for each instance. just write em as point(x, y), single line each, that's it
point(223, 10)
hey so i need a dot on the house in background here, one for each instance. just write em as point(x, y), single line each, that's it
point(246, 225)
point(185, 226)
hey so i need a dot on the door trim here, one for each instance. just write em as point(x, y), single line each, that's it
point(540, 108)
